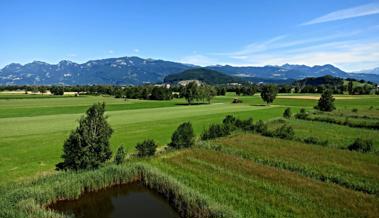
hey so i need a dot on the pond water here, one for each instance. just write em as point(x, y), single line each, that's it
point(130, 200)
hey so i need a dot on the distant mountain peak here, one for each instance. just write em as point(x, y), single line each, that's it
point(135, 70)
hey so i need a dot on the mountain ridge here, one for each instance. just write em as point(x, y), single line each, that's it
point(135, 70)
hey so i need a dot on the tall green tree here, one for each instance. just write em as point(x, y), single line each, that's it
point(326, 101)
point(268, 93)
point(350, 87)
point(183, 137)
point(88, 145)
point(57, 90)
point(190, 92)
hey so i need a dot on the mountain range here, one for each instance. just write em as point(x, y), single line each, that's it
point(135, 71)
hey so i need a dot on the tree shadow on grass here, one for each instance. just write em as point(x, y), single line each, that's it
point(260, 105)
point(186, 104)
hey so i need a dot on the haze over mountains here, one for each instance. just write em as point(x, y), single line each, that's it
point(135, 71)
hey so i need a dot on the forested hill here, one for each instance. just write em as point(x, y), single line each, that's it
point(323, 80)
point(205, 75)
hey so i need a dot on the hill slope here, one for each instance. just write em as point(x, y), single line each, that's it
point(205, 75)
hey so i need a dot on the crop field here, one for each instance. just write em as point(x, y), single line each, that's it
point(246, 173)
point(260, 190)
point(338, 136)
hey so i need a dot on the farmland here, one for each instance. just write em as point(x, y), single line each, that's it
point(246, 173)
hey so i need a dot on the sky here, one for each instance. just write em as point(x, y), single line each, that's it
point(344, 33)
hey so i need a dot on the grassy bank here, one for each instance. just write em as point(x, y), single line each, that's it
point(31, 199)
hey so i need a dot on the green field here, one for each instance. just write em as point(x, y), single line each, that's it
point(252, 175)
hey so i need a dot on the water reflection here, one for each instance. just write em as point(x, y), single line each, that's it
point(131, 200)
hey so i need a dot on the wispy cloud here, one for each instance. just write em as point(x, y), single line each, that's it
point(359, 11)
point(352, 50)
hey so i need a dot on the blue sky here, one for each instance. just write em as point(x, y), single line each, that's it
point(205, 32)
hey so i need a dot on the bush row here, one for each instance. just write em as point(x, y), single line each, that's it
point(368, 125)
point(231, 123)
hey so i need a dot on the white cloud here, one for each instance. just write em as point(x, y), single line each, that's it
point(349, 55)
point(359, 11)
point(136, 50)
point(110, 51)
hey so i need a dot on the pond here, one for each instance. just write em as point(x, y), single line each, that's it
point(130, 200)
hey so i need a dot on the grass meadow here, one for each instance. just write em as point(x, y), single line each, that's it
point(242, 175)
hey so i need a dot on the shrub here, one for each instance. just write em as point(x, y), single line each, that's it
point(354, 110)
point(314, 140)
point(236, 101)
point(302, 114)
point(361, 145)
point(215, 131)
point(287, 113)
point(326, 102)
point(284, 132)
point(183, 137)
point(260, 127)
point(120, 155)
point(146, 148)
point(246, 125)
point(230, 122)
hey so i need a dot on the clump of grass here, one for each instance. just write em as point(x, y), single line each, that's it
point(316, 141)
point(361, 145)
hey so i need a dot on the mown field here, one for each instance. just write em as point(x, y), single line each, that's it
point(246, 173)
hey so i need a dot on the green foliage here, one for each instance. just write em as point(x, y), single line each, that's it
point(248, 90)
point(195, 92)
point(268, 93)
point(88, 146)
point(204, 75)
point(350, 87)
point(215, 131)
point(260, 127)
point(237, 101)
point(314, 140)
point(326, 102)
point(183, 137)
point(287, 113)
point(120, 155)
point(146, 148)
point(246, 125)
point(57, 90)
point(361, 145)
point(230, 122)
point(351, 121)
point(189, 92)
point(302, 114)
point(161, 93)
point(284, 132)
